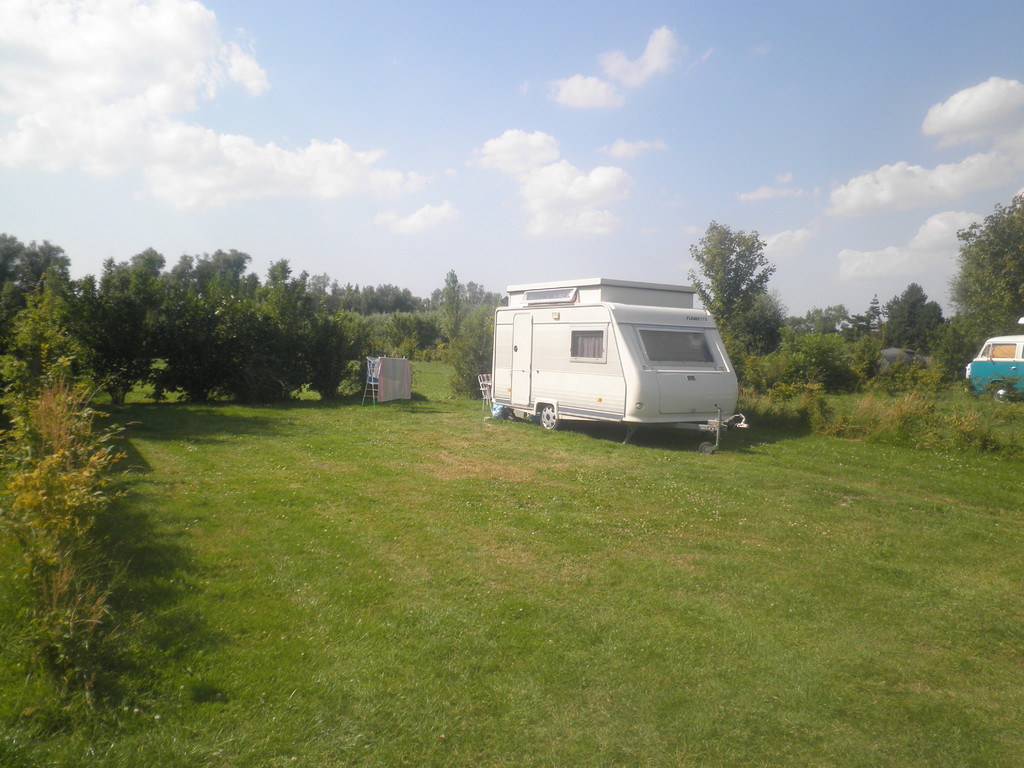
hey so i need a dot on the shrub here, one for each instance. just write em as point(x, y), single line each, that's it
point(58, 484)
point(806, 359)
point(901, 376)
point(470, 353)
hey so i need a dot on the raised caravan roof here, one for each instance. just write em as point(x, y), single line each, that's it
point(601, 289)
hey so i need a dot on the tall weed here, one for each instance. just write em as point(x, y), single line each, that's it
point(921, 418)
point(58, 484)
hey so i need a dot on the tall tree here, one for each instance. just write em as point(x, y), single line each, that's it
point(911, 320)
point(452, 308)
point(732, 273)
point(988, 291)
point(118, 317)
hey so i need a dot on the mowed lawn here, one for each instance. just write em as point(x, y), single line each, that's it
point(411, 584)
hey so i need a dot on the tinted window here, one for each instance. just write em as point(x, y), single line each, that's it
point(676, 346)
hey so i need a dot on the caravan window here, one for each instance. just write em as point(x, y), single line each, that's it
point(587, 345)
point(663, 346)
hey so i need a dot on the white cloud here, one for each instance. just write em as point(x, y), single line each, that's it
point(659, 56)
point(559, 198)
point(563, 200)
point(516, 151)
point(207, 168)
point(991, 110)
point(626, 150)
point(988, 110)
point(100, 86)
point(769, 193)
point(586, 93)
point(427, 217)
point(787, 244)
point(902, 186)
point(932, 249)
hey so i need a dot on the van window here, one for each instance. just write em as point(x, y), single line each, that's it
point(663, 346)
point(1003, 351)
point(587, 345)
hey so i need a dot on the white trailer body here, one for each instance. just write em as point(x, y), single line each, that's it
point(611, 350)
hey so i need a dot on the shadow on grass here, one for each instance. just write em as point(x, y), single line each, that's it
point(206, 422)
point(156, 573)
point(763, 429)
point(210, 422)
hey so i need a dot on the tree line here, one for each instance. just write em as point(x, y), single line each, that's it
point(840, 351)
point(208, 328)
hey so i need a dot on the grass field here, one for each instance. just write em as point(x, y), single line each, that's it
point(333, 585)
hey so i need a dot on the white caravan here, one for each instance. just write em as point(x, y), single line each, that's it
point(612, 350)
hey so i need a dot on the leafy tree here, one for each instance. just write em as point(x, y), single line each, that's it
point(452, 307)
point(911, 319)
point(118, 316)
point(988, 291)
point(43, 345)
point(834, 319)
point(406, 334)
point(732, 273)
point(335, 346)
point(269, 337)
point(371, 300)
point(867, 324)
point(39, 259)
point(761, 325)
point(191, 338)
point(953, 346)
point(471, 351)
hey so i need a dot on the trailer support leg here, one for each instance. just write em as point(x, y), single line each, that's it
point(630, 431)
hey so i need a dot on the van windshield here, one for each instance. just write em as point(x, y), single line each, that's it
point(665, 346)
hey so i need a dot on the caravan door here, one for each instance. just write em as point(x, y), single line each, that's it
point(522, 358)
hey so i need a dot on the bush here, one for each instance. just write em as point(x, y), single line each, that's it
point(471, 351)
point(818, 359)
point(58, 484)
point(901, 376)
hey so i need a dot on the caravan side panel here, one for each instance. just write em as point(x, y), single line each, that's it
point(576, 363)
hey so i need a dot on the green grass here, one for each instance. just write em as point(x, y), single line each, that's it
point(414, 585)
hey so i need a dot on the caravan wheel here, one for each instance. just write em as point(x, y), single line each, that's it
point(548, 419)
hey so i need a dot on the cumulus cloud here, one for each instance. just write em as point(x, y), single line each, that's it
point(558, 197)
point(659, 56)
point(988, 110)
point(517, 152)
point(627, 150)
point(902, 186)
point(992, 111)
point(769, 192)
point(932, 249)
point(787, 244)
point(588, 92)
point(101, 86)
point(427, 217)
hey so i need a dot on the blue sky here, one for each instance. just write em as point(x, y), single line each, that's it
point(389, 142)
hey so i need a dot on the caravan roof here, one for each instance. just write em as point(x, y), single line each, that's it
point(601, 289)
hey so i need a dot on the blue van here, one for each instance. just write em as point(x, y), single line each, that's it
point(999, 367)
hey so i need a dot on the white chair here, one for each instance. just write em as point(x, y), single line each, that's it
point(484, 382)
